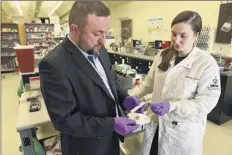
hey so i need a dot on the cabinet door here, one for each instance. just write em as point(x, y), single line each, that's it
point(128, 61)
point(112, 58)
point(142, 66)
point(228, 97)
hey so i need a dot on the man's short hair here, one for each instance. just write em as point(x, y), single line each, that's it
point(81, 9)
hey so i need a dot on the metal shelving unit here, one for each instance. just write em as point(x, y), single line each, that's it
point(9, 37)
point(40, 36)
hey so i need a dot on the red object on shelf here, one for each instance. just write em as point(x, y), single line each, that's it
point(25, 57)
point(166, 44)
point(228, 61)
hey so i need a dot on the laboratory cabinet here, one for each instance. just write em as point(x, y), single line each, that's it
point(222, 112)
point(140, 63)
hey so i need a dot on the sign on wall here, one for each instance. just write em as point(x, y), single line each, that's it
point(155, 24)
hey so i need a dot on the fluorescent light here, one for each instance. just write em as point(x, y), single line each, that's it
point(54, 9)
point(18, 8)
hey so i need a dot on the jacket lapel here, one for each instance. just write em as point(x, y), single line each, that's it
point(108, 74)
point(103, 60)
point(84, 64)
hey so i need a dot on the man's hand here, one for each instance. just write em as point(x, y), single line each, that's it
point(130, 102)
point(124, 126)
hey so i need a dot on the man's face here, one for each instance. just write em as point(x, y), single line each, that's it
point(91, 37)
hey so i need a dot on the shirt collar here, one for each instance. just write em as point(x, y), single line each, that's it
point(83, 52)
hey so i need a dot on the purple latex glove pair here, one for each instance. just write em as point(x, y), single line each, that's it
point(124, 126)
point(160, 108)
point(130, 102)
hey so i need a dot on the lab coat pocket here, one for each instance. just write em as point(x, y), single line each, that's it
point(171, 88)
point(185, 135)
point(183, 88)
point(190, 86)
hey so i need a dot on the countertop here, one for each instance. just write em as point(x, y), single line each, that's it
point(138, 56)
point(223, 56)
point(147, 57)
point(226, 73)
point(150, 58)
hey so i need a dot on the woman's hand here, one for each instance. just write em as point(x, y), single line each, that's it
point(160, 108)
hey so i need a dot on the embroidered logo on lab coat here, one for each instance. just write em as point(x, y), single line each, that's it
point(214, 85)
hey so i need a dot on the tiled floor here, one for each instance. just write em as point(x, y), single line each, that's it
point(217, 141)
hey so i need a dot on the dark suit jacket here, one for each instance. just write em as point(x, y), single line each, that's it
point(78, 102)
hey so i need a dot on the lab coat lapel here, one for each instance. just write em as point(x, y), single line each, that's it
point(187, 62)
point(84, 65)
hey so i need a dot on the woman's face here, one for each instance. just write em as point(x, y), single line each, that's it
point(183, 37)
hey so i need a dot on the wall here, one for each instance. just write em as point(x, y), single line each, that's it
point(64, 19)
point(67, 6)
point(4, 17)
point(141, 11)
point(18, 19)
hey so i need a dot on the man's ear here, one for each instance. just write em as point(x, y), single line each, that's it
point(74, 28)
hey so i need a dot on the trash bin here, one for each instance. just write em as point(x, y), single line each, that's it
point(25, 57)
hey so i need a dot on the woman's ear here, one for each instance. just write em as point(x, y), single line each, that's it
point(196, 38)
point(197, 35)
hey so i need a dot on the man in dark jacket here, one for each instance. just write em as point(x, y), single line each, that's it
point(80, 89)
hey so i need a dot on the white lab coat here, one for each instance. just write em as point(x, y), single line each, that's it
point(192, 88)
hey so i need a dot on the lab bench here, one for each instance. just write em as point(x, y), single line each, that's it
point(141, 63)
point(219, 115)
point(28, 121)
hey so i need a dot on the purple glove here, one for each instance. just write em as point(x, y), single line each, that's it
point(130, 102)
point(160, 108)
point(124, 126)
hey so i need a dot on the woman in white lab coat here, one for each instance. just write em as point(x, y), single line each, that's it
point(185, 86)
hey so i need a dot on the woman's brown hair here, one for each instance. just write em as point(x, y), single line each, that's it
point(167, 55)
point(190, 17)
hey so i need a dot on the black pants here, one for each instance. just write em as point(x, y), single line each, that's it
point(154, 145)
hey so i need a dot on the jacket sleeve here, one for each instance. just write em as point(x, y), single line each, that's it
point(147, 85)
point(206, 98)
point(63, 109)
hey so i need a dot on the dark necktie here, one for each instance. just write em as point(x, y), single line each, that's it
point(90, 57)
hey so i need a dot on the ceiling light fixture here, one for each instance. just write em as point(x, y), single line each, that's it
point(54, 9)
point(18, 8)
